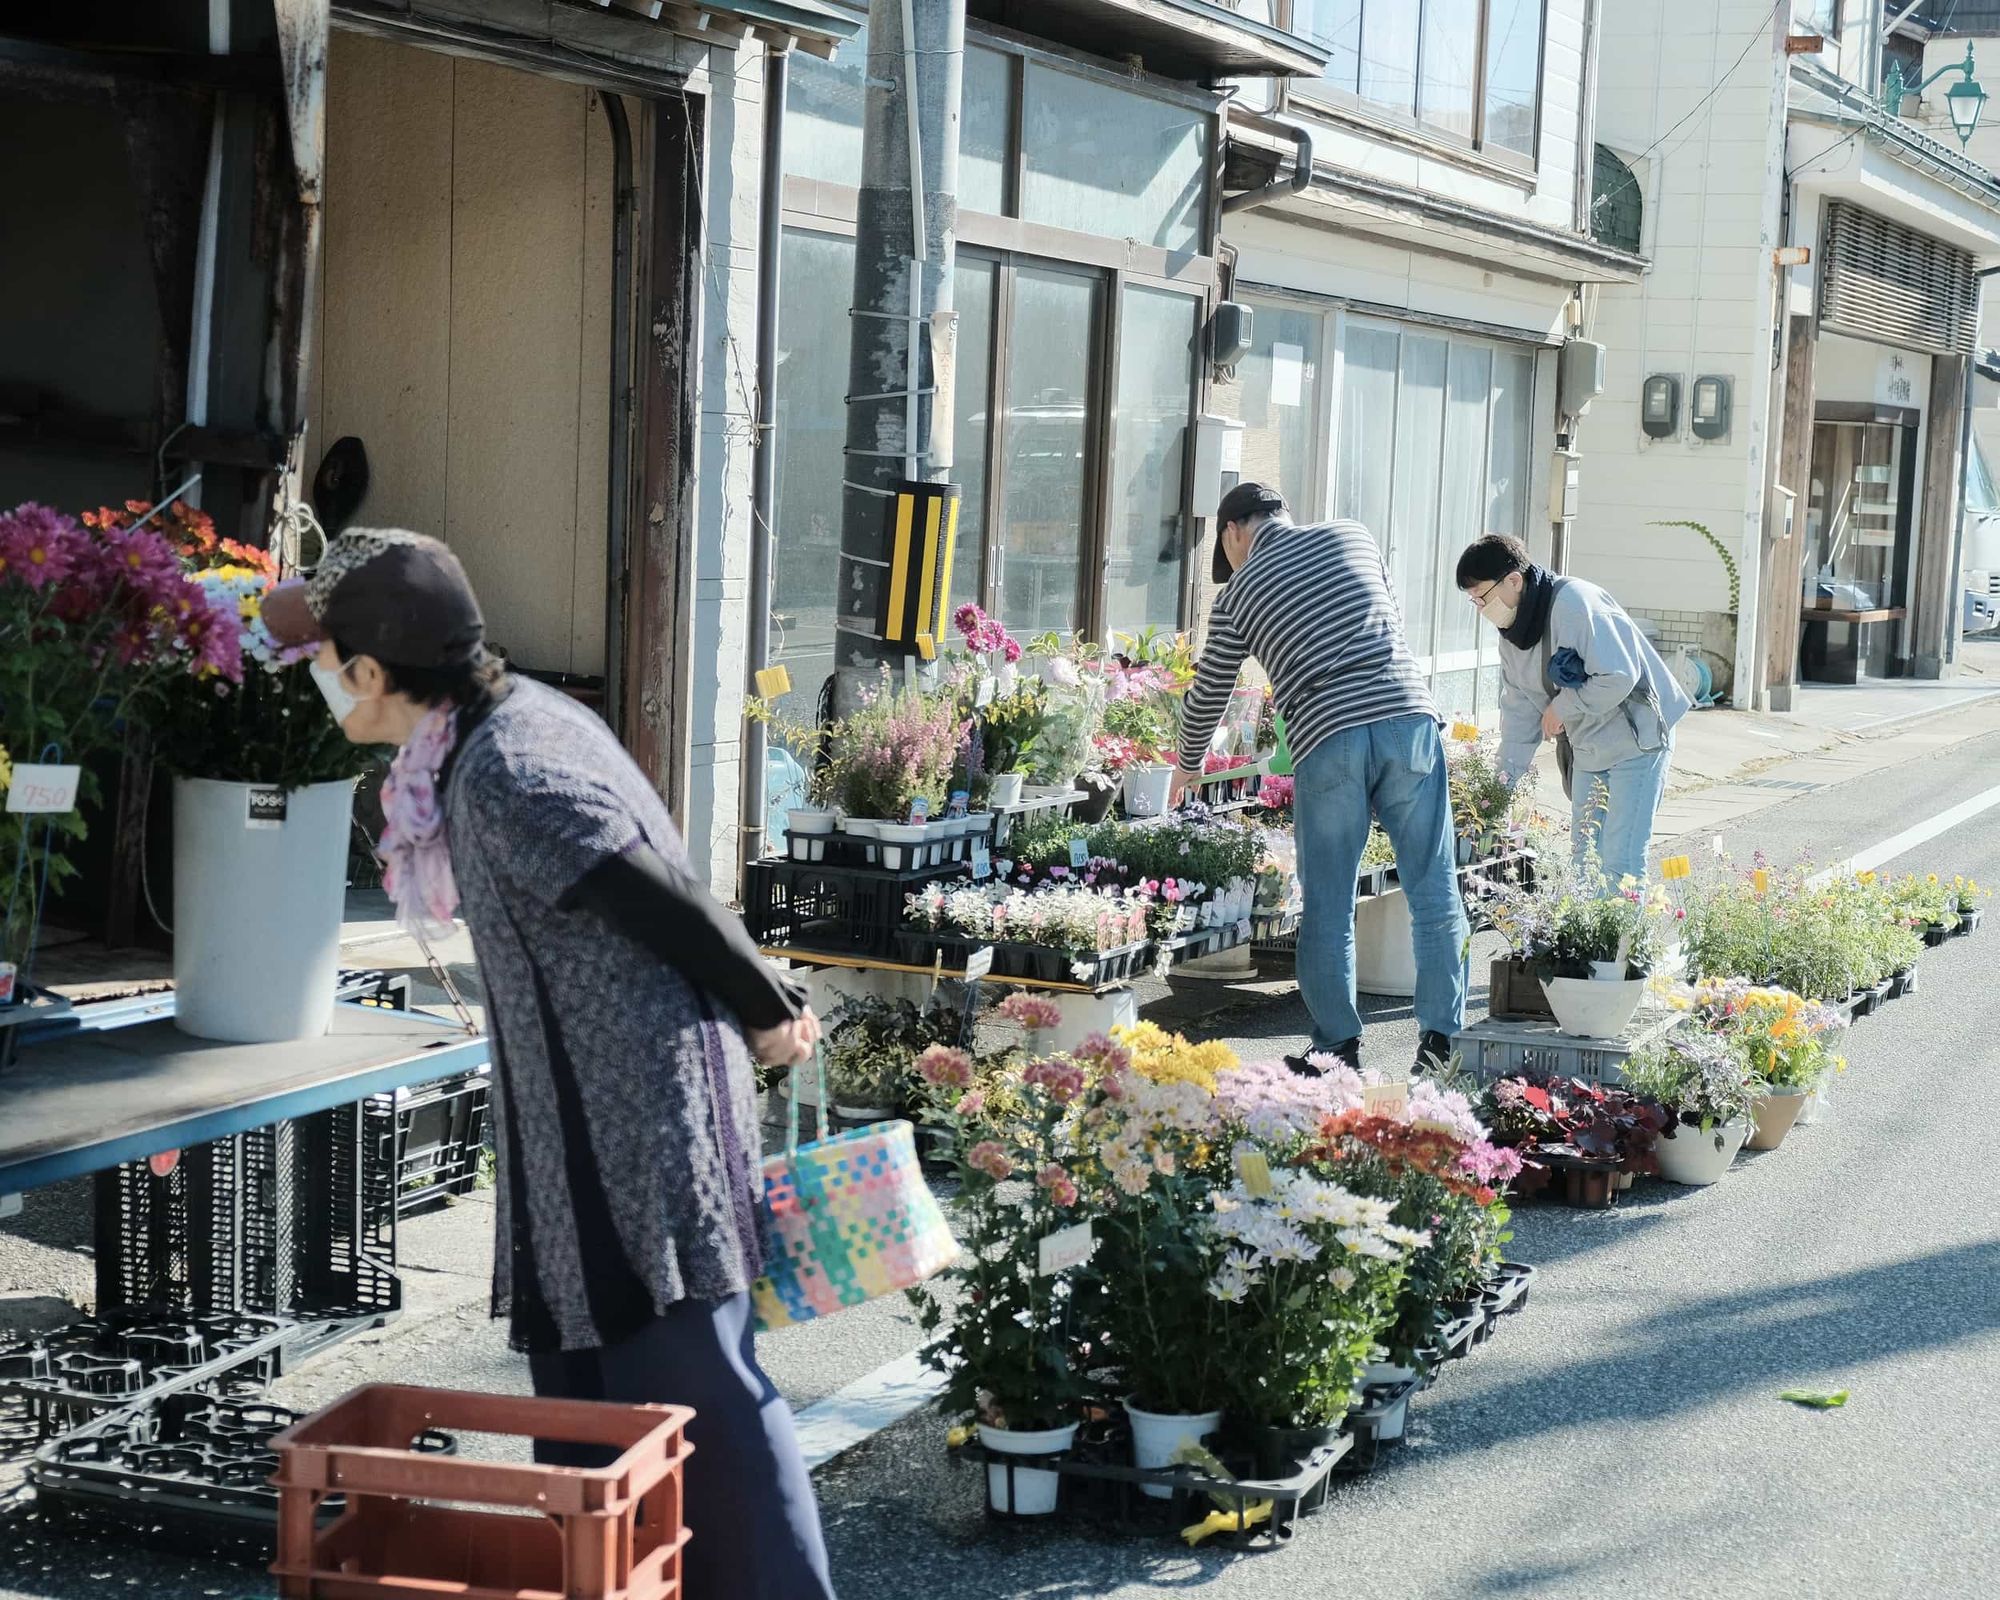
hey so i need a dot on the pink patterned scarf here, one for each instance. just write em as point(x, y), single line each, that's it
point(416, 859)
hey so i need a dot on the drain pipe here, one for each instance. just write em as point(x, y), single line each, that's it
point(1300, 180)
point(1955, 632)
point(618, 505)
point(764, 479)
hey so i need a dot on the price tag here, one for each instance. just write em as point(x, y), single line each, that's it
point(43, 790)
point(959, 803)
point(979, 963)
point(982, 691)
point(1675, 867)
point(1760, 880)
point(1079, 853)
point(1063, 1249)
point(772, 682)
point(1385, 1099)
point(1185, 918)
point(982, 861)
point(1465, 731)
point(8, 979)
point(1718, 844)
point(927, 647)
point(920, 811)
point(265, 809)
point(1255, 1172)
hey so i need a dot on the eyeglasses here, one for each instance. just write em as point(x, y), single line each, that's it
point(1479, 600)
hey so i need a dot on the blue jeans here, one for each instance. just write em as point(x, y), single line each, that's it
point(1395, 771)
point(1619, 821)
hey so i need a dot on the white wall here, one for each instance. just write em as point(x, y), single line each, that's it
point(1711, 194)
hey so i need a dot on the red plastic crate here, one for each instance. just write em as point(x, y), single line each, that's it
point(609, 1533)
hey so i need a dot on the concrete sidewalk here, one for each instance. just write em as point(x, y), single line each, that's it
point(1729, 764)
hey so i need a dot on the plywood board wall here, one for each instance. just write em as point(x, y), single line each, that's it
point(464, 326)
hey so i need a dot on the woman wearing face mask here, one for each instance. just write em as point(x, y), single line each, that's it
point(625, 1006)
point(1575, 668)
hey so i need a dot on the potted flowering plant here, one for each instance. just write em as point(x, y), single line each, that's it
point(1704, 1082)
point(263, 787)
point(1143, 694)
point(1781, 1038)
point(1591, 951)
point(1966, 896)
point(896, 750)
point(1482, 801)
point(1589, 1133)
point(872, 1045)
point(1072, 702)
point(1008, 1340)
point(97, 619)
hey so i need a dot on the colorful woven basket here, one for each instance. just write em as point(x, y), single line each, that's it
point(843, 1220)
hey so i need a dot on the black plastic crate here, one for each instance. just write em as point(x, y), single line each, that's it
point(437, 1139)
point(836, 909)
point(295, 1219)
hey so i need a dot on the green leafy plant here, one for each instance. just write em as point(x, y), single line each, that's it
point(810, 744)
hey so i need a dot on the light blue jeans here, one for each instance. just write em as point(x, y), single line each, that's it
point(1618, 821)
point(1393, 770)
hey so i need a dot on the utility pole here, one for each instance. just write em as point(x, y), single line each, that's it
point(900, 355)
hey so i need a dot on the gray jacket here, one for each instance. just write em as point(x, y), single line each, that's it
point(1608, 720)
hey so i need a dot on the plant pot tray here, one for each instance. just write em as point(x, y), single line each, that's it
point(1500, 1049)
point(825, 906)
point(1099, 1465)
point(1106, 969)
point(1184, 947)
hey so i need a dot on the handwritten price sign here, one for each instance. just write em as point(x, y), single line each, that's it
point(40, 790)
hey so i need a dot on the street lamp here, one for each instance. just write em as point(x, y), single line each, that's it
point(1964, 100)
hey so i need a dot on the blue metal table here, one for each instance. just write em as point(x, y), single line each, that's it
point(128, 1085)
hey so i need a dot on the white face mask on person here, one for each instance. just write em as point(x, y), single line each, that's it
point(1499, 613)
point(340, 700)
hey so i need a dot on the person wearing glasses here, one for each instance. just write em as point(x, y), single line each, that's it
point(1575, 668)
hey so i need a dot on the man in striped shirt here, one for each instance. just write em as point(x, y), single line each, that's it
point(1314, 606)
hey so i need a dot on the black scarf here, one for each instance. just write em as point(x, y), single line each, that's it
point(1531, 619)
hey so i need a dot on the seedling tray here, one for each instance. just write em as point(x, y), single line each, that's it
point(1504, 1049)
point(1033, 961)
point(1101, 1487)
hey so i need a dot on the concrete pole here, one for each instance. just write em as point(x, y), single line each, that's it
point(903, 248)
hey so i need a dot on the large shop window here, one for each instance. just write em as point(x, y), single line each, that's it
point(1433, 450)
point(1147, 538)
point(1469, 70)
point(1276, 396)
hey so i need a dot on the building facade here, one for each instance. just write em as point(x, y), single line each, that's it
point(1791, 376)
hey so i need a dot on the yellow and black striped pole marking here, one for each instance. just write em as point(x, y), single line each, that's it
point(923, 525)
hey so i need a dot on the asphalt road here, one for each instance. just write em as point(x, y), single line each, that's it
point(1622, 1435)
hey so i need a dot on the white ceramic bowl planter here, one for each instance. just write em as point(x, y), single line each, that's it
point(260, 877)
point(1698, 1158)
point(1156, 1436)
point(1594, 1009)
point(1034, 1488)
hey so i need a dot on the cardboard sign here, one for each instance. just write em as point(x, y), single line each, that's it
point(979, 963)
point(1385, 1099)
point(43, 790)
point(982, 861)
point(1079, 854)
point(265, 808)
point(773, 682)
point(1063, 1249)
point(1255, 1172)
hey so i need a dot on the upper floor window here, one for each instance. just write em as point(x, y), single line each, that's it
point(1818, 16)
point(1469, 70)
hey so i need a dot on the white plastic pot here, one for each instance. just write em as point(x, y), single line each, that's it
point(1147, 790)
point(901, 843)
point(260, 880)
point(1593, 1009)
point(806, 832)
point(1697, 1158)
point(869, 832)
point(1006, 790)
point(1157, 1436)
point(1035, 1488)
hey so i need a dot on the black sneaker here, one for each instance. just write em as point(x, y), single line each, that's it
point(1434, 1050)
point(1348, 1051)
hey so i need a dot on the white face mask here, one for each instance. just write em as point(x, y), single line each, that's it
point(1501, 616)
point(340, 700)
